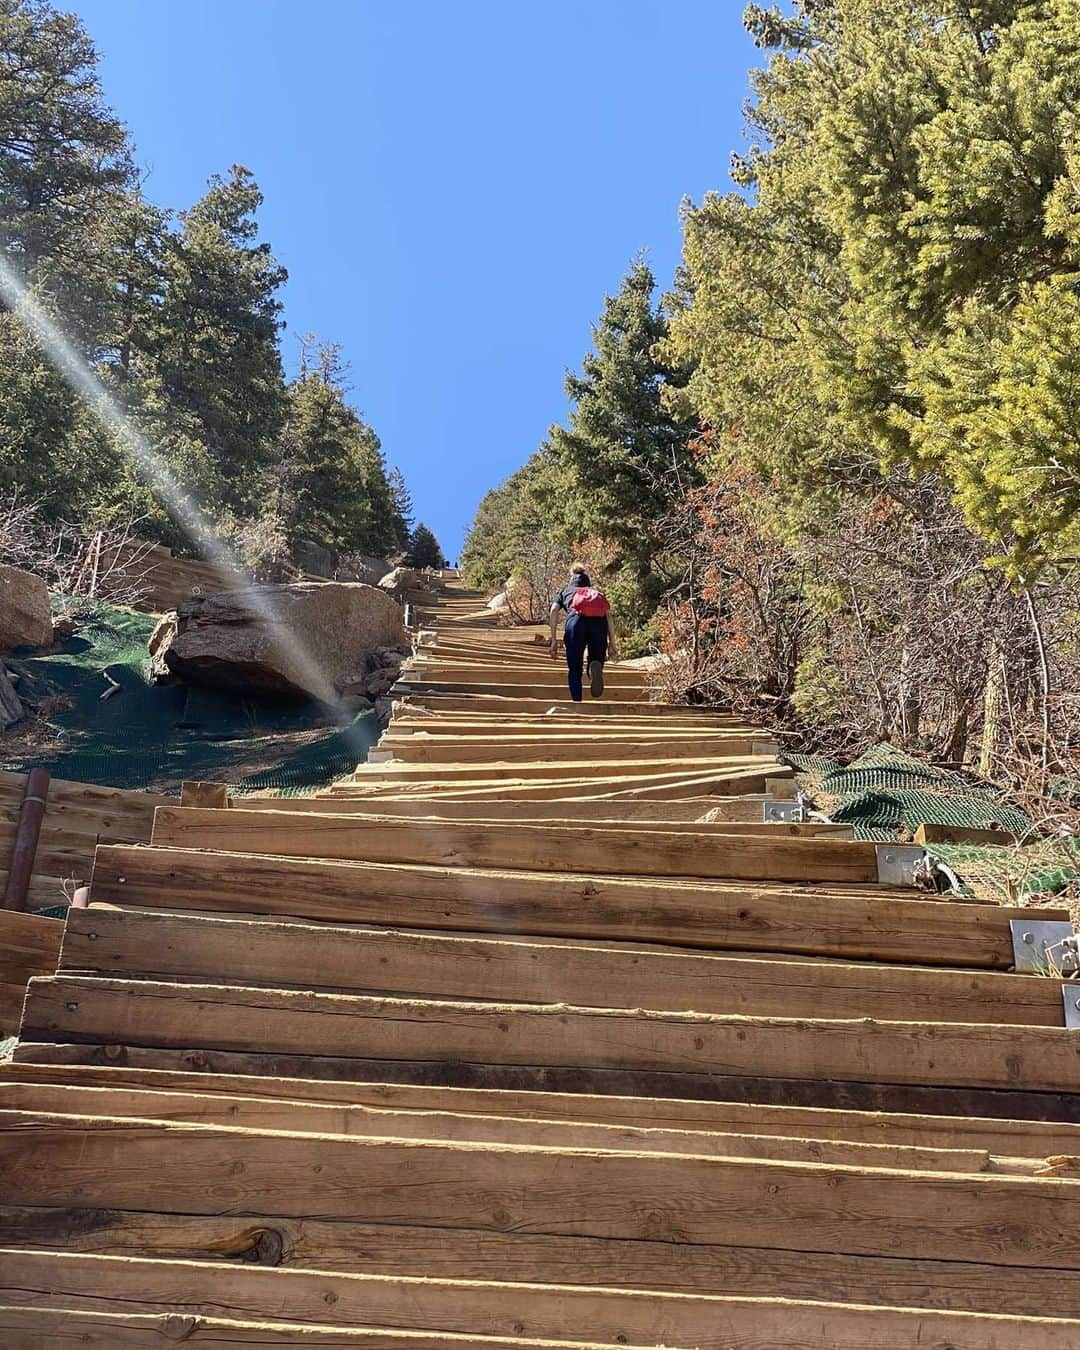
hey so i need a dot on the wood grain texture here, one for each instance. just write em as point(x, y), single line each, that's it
point(478, 1308)
point(1021, 1138)
point(62, 1160)
point(797, 919)
point(294, 1022)
point(260, 1113)
point(365, 960)
point(473, 1254)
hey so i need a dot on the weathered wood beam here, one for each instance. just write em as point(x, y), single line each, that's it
point(541, 847)
point(415, 963)
point(49, 1160)
point(229, 1017)
point(823, 920)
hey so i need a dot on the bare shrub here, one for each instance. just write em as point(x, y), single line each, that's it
point(888, 625)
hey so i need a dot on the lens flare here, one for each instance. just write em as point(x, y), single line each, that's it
point(151, 466)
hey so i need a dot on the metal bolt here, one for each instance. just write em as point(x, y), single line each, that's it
point(72, 1007)
point(91, 937)
point(1029, 938)
point(121, 880)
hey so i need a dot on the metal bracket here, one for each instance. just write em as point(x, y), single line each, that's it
point(1070, 1001)
point(769, 748)
point(776, 811)
point(1044, 946)
point(897, 863)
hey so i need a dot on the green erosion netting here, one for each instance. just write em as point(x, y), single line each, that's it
point(155, 736)
point(1010, 875)
point(890, 793)
point(886, 794)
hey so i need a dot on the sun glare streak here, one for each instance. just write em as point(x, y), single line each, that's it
point(153, 467)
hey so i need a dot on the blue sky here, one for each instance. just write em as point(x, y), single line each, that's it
point(453, 186)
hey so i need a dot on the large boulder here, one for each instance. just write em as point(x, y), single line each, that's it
point(295, 639)
point(398, 581)
point(25, 614)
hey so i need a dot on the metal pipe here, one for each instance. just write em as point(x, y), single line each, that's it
point(27, 832)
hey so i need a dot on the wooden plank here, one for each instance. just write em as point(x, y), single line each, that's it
point(438, 670)
point(524, 813)
point(497, 702)
point(473, 1254)
point(641, 767)
point(29, 946)
point(476, 1308)
point(684, 810)
point(263, 1113)
point(664, 786)
point(554, 689)
point(931, 833)
point(505, 749)
point(547, 847)
point(365, 960)
point(204, 794)
point(657, 1197)
point(803, 920)
point(31, 1328)
point(1018, 1138)
point(234, 1018)
point(919, 1099)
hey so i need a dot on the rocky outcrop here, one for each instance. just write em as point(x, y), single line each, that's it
point(302, 638)
point(378, 677)
point(25, 613)
point(398, 581)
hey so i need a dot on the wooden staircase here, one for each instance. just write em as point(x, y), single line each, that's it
point(533, 1033)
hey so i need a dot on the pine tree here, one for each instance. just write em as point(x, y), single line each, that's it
point(403, 508)
point(424, 550)
point(623, 447)
point(216, 348)
point(64, 157)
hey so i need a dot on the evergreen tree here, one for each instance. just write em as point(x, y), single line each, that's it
point(624, 450)
point(512, 520)
point(329, 480)
point(216, 347)
point(424, 550)
point(896, 286)
point(65, 171)
point(64, 157)
point(403, 508)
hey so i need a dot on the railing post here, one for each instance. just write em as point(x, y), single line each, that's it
point(27, 832)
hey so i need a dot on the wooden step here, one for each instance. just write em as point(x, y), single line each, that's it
point(473, 1254)
point(226, 1017)
point(49, 1160)
point(537, 1312)
point(543, 847)
point(415, 963)
point(261, 1113)
point(1013, 1138)
point(868, 923)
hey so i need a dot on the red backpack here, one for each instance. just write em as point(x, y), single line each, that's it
point(589, 602)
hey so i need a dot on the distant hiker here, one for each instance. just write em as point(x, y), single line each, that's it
point(588, 627)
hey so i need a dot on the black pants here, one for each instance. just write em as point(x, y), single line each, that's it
point(580, 634)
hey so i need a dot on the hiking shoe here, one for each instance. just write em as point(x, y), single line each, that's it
point(596, 678)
